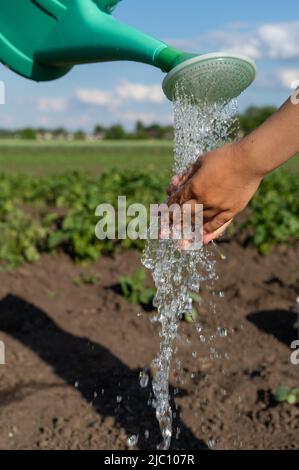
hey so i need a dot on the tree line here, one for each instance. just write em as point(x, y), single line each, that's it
point(253, 117)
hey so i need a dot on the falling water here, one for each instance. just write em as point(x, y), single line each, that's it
point(178, 273)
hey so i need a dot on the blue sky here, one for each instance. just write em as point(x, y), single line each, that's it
point(124, 92)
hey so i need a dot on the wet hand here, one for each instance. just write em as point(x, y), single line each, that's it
point(220, 180)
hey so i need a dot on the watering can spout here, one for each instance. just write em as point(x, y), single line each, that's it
point(87, 35)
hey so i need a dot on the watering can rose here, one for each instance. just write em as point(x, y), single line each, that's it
point(176, 223)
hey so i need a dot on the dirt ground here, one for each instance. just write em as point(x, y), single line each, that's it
point(73, 357)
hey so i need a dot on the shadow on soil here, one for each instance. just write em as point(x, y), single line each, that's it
point(94, 368)
point(278, 323)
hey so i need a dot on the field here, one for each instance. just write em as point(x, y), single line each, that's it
point(58, 157)
point(76, 340)
point(46, 158)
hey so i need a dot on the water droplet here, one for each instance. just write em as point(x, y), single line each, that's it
point(76, 384)
point(132, 440)
point(143, 378)
point(211, 443)
point(222, 332)
point(119, 399)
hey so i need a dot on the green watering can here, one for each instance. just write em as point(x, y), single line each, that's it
point(43, 39)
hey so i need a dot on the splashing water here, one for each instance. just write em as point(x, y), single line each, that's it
point(177, 274)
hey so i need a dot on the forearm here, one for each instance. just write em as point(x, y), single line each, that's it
point(274, 142)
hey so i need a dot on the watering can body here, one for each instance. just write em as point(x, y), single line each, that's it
point(43, 39)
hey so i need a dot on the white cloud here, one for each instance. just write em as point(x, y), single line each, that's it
point(54, 105)
point(71, 121)
point(279, 41)
point(128, 91)
point(288, 76)
point(124, 92)
point(94, 96)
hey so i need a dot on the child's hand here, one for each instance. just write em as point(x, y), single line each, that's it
point(223, 182)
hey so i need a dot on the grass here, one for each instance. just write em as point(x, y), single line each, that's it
point(45, 158)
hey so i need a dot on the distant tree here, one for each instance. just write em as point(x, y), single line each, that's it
point(115, 132)
point(28, 134)
point(140, 131)
point(254, 116)
point(99, 130)
point(79, 135)
point(4, 133)
point(59, 131)
point(155, 131)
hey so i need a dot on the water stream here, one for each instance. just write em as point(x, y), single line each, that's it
point(176, 273)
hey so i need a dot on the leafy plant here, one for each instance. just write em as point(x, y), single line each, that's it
point(86, 278)
point(56, 213)
point(286, 394)
point(192, 317)
point(134, 290)
point(273, 217)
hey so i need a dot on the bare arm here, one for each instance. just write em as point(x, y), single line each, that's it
point(275, 141)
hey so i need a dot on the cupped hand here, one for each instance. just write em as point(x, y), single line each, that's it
point(223, 182)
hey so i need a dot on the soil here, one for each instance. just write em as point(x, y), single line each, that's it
point(73, 357)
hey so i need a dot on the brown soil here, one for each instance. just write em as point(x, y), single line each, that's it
point(71, 351)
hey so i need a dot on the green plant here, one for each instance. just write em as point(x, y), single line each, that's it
point(56, 213)
point(86, 278)
point(134, 290)
point(39, 215)
point(192, 317)
point(286, 394)
point(273, 217)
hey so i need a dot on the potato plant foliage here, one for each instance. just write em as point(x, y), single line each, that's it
point(39, 215)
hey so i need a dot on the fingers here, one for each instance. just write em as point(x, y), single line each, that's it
point(208, 237)
point(175, 183)
point(217, 222)
point(209, 213)
point(179, 180)
point(183, 194)
point(217, 234)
